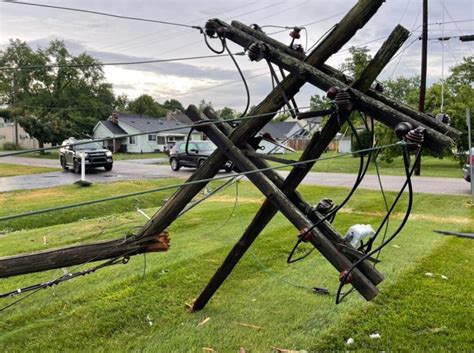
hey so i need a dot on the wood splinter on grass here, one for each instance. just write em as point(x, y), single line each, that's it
point(207, 349)
point(203, 322)
point(249, 325)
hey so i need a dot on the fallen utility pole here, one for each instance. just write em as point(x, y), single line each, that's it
point(255, 36)
point(76, 255)
point(357, 17)
point(316, 147)
point(280, 201)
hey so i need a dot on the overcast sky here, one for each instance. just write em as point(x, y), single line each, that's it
point(216, 80)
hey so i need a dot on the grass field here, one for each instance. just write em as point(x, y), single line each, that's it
point(265, 303)
point(7, 170)
point(431, 166)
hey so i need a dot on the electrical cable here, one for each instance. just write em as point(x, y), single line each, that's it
point(139, 62)
point(135, 134)
point(188, 183)
point(332, 213)
point(408, 182)
point(100, 13)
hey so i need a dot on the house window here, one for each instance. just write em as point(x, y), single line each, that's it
point(151, 137)
point(132, 140)
point(161, 140)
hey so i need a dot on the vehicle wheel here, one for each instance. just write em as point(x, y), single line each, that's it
point(77, 167)
point(108, 167)
point(174, 164)
point(63, 163)
point(201, 162)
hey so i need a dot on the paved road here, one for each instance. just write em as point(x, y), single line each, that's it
point(148, 169)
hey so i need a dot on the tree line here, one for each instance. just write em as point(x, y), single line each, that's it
point(63, 95)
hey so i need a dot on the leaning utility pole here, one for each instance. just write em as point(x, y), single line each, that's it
point(424, 59)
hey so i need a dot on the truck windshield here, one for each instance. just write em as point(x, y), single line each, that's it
point(89, 146)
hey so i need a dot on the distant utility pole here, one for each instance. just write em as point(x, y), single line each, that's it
point(14, 118)
point(424, 57)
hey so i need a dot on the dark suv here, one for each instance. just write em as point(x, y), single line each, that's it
point(198, 151)
point(95, 155)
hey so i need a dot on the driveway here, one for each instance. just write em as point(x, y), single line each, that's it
point(148, 169)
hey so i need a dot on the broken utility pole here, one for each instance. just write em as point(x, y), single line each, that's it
point(238, 145)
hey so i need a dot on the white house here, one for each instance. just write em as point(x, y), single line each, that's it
point(287, 134)
point(163, 133)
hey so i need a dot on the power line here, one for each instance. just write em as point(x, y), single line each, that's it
point(15, 153)
point(139, 62)
point(174, 34)
point(193, 182)
point(101, 13)
point(177, 34)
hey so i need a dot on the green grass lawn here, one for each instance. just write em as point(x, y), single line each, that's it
point(431, 166)
point(265, 303)
point(7, 170)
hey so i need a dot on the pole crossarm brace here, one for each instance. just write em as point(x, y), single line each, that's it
point(436, 140)
point(315, 148)
point(281, 201)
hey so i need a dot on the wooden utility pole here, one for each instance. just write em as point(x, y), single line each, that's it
point(14, 118)
point(424, 59)
point(315, 148)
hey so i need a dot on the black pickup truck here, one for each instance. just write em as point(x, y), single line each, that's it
point(96, 155)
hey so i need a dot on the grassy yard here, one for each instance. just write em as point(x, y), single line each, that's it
point(265, 303)
point(7, 170)
point(431, 166)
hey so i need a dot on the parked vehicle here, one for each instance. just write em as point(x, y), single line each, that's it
point(198, 153)
point(467, 166)
point(96, 155)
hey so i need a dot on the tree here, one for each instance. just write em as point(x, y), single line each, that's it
point(203, 104)
point(145, 104)
point(173, 105)
point(458, 95)
point(227, 113)
point(403, 89)
point(121, 103)
point(52, 103)
point(358, 61)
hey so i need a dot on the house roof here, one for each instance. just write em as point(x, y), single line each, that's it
point(145, 123)
point(114, 128)
point(280, 130)
point(180, 117)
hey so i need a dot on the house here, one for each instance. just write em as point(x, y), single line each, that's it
point(163, 133)
point(288, 135)
point(12, 133)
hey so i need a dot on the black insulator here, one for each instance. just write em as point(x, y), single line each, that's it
point(443, 118)
point(379, 87)
point(256, 51)
point(415, 136)
point(256, 27)
point(402, 129)
point(295, 33)
point(210, 28)
point(324, 206)
point(299, 48)
point(331, 92)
